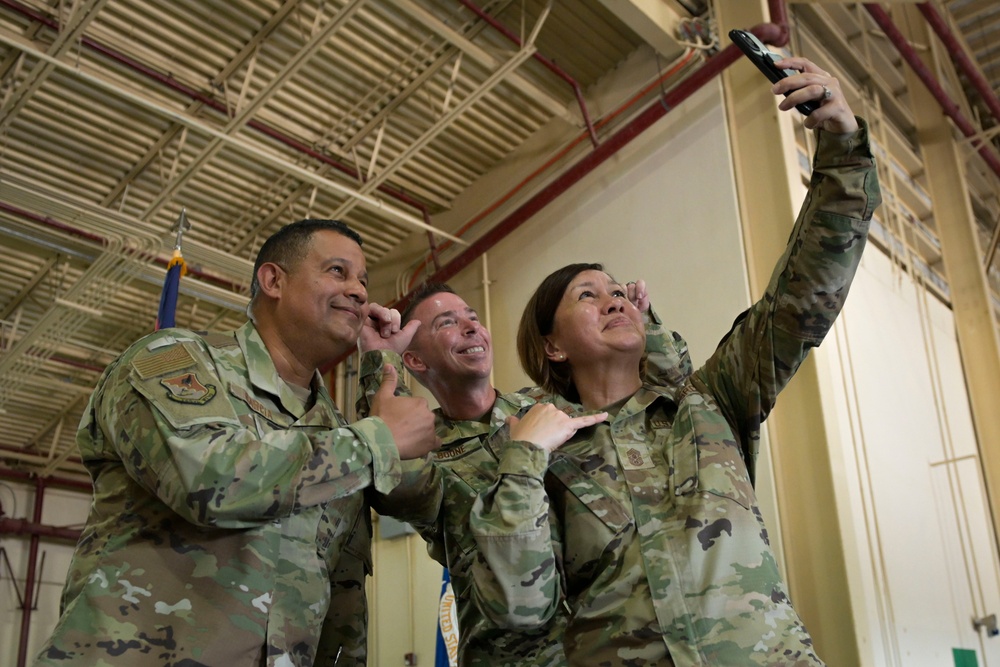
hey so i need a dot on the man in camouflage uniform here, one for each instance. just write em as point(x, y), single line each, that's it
point(663, 553)
point(451, 354)
point(228, 525)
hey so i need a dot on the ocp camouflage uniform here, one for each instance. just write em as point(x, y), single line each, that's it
point(472, 455)
point(223, 507)
point(664, 555)
point(438, 500)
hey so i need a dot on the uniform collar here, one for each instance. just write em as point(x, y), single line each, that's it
point(640, 401)
point(264, 376)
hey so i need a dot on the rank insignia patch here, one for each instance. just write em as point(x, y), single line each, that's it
point(634, 457)
point(187, 389)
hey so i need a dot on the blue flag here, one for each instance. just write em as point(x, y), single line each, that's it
point(165, 316)
point(447, 641)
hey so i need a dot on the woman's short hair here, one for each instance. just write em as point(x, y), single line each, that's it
point(536, 323)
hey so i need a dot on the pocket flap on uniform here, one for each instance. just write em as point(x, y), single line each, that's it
point(705, 455)
point(590, 493)
point(683, 454)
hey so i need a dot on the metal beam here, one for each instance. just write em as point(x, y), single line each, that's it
point(484, 58)
point(446, 120)
point(64, 42)
point(237, 144)
point(243, 115)
point(653, 20)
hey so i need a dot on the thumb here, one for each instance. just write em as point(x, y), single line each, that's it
point(389, 380)
point(513, 421)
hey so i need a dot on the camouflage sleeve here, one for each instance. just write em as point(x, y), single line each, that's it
point(370, 378)
point(806, 292)
point(666, 361)
point(418, 496)
point(515, 579)
point(214, 470)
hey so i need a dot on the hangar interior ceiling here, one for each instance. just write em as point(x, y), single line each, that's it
point(117, 115)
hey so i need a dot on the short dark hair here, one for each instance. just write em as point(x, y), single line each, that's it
point(422, 293)
point(536, 323)
point(290, 243)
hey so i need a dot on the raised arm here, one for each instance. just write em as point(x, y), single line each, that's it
point(811, 279)
point(419, 495)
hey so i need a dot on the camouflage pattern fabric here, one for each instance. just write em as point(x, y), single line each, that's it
point(663, 555)
point(437, 495)
point(227, 515)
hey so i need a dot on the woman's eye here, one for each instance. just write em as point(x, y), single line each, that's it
point(586, 294)
point(618, 292)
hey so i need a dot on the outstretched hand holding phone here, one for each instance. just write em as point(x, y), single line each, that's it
point(805, 86)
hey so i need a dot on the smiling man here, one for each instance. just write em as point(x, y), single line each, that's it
point(451, 354)
point(228, 525)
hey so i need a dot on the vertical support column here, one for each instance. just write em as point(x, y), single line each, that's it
point(29, 582)
point(769, 188)
point(961, 254)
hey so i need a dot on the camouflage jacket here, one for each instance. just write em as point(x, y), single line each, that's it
point(437, 496)
point(437, 499)
point(222, 509)
point(662, 552)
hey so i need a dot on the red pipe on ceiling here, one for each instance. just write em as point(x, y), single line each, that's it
point(960, 57)
point(25, 527)
point(50, 482)
point(948, 105)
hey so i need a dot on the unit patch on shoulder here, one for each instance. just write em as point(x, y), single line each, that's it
point(173, 359)
point(186, 388)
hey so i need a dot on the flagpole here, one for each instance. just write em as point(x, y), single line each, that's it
point(176, 268)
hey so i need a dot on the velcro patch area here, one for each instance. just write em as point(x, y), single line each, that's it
point(172, 359)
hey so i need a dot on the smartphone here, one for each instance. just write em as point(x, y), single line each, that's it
point(764, 59)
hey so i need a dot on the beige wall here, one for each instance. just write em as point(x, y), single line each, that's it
point(910, 493)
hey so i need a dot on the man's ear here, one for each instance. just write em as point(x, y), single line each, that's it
point(413, 363)
point(270, 278)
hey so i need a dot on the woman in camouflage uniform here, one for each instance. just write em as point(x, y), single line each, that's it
point(662, 554)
